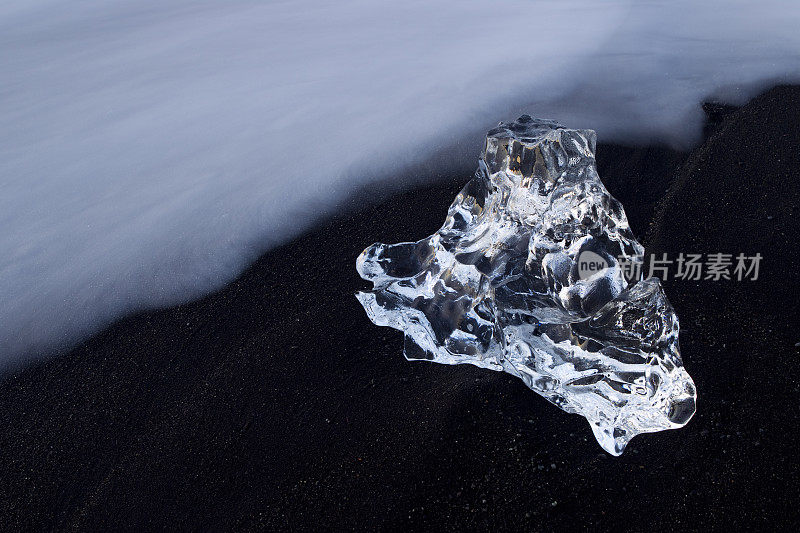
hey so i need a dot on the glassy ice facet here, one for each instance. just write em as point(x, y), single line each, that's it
point(530, 274)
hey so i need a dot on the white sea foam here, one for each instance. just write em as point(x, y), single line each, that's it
point(150, 149)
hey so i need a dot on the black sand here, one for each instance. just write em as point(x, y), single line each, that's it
point(276, 404)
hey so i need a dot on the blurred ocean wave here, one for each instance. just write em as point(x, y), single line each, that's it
point(151, 150)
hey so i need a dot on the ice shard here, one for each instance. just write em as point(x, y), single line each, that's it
point(535, 273)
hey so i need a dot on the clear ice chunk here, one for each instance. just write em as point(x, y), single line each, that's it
point(534, 273)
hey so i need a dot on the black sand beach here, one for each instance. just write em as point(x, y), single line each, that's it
point(276, 404)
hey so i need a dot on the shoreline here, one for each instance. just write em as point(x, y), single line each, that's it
point(274, 402)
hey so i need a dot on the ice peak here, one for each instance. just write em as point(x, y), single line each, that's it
point(526, 276)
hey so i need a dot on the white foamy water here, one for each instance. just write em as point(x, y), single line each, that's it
point(150, 149)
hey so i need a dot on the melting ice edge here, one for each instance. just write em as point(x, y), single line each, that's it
point(499, 286)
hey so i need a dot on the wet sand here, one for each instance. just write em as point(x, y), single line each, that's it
point(276, 404)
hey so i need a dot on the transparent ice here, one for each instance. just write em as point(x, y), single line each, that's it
point(531, 274)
